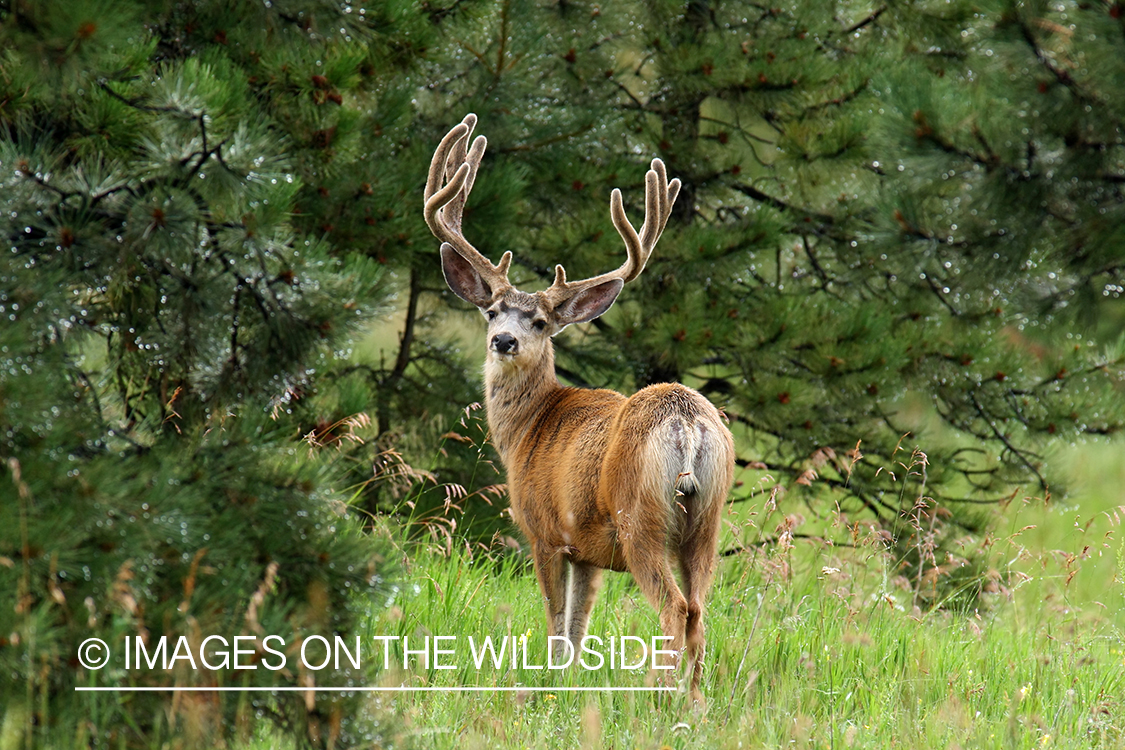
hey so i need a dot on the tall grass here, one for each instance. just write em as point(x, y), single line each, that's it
point(810, 644)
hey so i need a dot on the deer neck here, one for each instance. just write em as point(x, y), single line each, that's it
point(515, 394)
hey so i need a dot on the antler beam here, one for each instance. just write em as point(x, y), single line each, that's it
point(660, 196)
point(455, 165)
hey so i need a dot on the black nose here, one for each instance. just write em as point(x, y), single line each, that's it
point(505, 343)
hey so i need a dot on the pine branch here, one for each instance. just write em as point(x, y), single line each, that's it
point(543, 143)
point(403, 358)
point(752, 192)
point(989, 163)
point(870, 19)
point(1061, 76)
point(1007, 443)
point(771, 541)
point(63, 194)
point(839, 101)
point(941, 296)
point(572, 376)
point(103, 84)
point(234, 326)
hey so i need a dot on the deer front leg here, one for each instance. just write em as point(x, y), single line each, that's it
point(550, 568)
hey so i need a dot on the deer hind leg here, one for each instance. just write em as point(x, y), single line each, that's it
point(644, 543)
point(698, 555)
point(585, 580)
point(550, 568)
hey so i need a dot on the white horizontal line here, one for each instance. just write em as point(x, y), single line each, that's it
point(367, 689)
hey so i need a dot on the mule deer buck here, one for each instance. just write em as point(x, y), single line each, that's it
point(597, 480)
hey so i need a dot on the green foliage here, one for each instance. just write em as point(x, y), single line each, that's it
point(164, 317)
point(224, 534)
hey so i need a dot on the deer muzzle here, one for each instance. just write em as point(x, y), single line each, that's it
point(505, 343)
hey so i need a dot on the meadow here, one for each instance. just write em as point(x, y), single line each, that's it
point(811, 643)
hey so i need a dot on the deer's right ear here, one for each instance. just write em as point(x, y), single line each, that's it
point(463, 279)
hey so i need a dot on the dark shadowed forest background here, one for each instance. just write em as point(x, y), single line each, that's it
point(227, 352)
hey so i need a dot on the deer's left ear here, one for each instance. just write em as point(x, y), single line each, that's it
point(588, 304)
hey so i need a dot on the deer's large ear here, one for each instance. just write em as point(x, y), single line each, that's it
point(463, 279)
point(589, 303)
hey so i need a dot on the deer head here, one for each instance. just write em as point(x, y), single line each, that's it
point(520, 324)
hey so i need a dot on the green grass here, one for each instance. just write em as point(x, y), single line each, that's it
point(812, 646)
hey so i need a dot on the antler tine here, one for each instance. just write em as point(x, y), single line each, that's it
point(657, 202)
point(456, 165)
point(660, 196)
point(459, 156)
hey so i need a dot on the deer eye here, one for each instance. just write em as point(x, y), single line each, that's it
point(539, 325)
point(491, 315)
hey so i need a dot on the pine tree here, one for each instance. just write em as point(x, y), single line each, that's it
point(166, 319)
point(889, 210)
